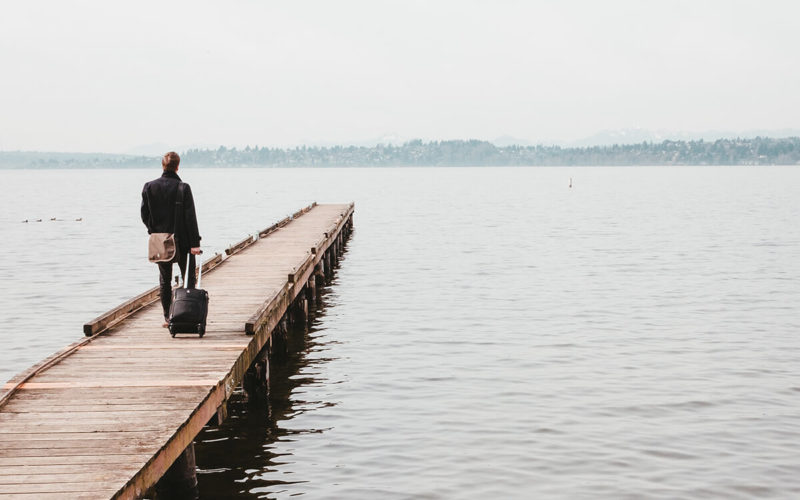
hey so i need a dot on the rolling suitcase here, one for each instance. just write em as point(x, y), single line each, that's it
point(189, 308)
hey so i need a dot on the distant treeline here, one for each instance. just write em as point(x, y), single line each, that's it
point(758, 151)
point(35, 159)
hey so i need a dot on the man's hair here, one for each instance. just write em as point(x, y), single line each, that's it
point(170, 161)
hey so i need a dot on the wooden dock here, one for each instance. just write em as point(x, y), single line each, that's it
point(108, 416)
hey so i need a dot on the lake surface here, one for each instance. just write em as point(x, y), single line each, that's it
point(490, 333)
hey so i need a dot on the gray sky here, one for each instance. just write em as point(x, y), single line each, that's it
point(110, 76)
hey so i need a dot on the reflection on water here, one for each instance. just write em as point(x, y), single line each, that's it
point(240, 459)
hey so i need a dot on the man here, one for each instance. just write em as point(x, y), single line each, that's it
point(158, 214)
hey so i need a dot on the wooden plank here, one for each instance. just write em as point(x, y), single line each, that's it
point(120, 406)
point(211, 361)
point(86, 417)
point(71, 427)
point(133, 434)
point(66, 403)
point(22, 477)
point(61, 487)
point(91, 384)
point(71, 452)
point(124, 460)
point(74, 495)
point(165, 347)
point(209, 369)
point(38, 398)
point(112, 443)
point(45, 470)
point(104, 371)
point(113, 393)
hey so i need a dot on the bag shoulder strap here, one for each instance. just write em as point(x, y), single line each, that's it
point(178, 210)
point(149, 209)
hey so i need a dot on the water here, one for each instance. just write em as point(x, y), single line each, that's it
point(490, 333)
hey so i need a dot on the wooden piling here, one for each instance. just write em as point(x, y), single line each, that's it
point(180, 480)
point(256, 379)
point(319, 276)
point(311, 290)
point(300, 313)
point(221, 415)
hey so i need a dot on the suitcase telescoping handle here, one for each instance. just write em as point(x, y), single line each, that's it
point(199, 271)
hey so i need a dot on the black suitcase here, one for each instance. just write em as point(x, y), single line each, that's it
point(189, 308)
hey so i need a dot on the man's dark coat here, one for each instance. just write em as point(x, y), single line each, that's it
point(158, 210)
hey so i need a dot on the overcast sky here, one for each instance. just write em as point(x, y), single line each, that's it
point(111, 76)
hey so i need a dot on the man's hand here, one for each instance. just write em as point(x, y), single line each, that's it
point(196, 251)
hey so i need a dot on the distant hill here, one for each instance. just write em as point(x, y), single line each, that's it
point(32, 159)
point(639, 135)
point(756, 151)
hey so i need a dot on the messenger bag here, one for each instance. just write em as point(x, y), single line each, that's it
point(161, 247)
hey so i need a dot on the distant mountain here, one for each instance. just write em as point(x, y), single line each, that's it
point(158, 149)
point(388, 139)
point(507, 140)
point(639, 135)
point(154, 149)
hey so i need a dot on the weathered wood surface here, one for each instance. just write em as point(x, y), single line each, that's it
point(108, 416)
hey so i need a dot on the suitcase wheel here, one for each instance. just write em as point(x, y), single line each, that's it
point(172, 330)
point(201, 330)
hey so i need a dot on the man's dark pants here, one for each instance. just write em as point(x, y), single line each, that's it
point(165, 278)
